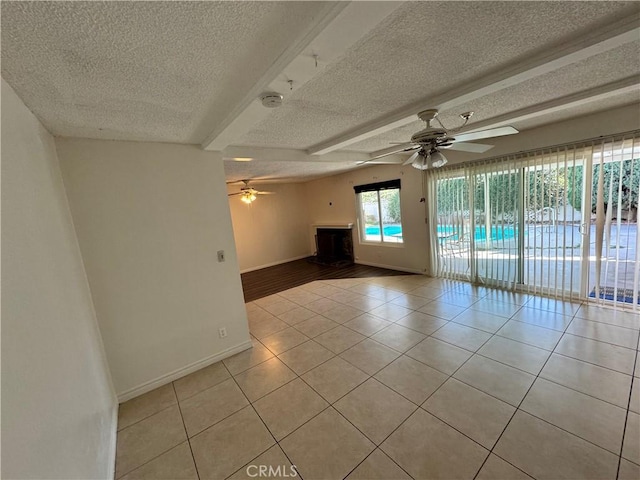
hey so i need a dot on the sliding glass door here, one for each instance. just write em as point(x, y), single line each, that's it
point(497, 231)
point(612, 190)
point(477, 225)
point(561, 222)
point(453, 227)
point(553, 224)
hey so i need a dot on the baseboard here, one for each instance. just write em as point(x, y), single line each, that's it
point(111, 473)
point(181, 372)
point(390, 267)
point(273, 264)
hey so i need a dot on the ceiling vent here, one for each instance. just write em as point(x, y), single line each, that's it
point(271, 99)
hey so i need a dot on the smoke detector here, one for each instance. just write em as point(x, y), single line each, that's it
point(271, 99)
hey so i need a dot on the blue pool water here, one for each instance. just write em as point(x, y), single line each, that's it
point(450, 231)
point(497, 233)
point(388, 230)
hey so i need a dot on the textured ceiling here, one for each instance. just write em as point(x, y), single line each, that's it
point(586, 109)
point(616, 64)
point(415, 55)
point(175, 71)
point(162, 71)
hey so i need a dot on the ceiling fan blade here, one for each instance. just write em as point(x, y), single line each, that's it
point(381, 161)
point(412, 158)
point(265, 193)
point(402, 147)
point(492, 132)
point(469, 147)
point(362, 162)
point(232, 194)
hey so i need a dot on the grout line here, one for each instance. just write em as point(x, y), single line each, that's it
point(595, 364)
point(263, 422)
point(151, 460)
point(169, 449)
point(148, 416)
point(578, 391)
point(184, 425)
point(626, 418)
point(599, 340)
point(383, 453)
point(512, 416)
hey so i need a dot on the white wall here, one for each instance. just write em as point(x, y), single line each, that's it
point(338, 191)
point(150, 218)
point(58, 406)
point(273, 229)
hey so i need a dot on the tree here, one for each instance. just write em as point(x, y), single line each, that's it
point(545, 188)
point(390, 200)
point(623, 176)
point(613, 174)
point(574, 186)
point(550, 186)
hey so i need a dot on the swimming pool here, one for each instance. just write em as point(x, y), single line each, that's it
point(451, 231)
point(389, 230)
point(497, 232)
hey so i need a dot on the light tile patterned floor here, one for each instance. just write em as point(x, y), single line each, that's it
point(402, 377)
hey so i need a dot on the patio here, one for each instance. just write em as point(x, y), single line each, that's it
point(552, 257)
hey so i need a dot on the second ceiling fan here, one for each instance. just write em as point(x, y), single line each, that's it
point(427, 143)
point(248, 194)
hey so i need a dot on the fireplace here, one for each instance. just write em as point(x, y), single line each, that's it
point(334, 245)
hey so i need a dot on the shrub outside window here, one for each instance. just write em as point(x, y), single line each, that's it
point(379, 212)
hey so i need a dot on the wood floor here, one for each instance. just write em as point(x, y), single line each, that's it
point(267, 281)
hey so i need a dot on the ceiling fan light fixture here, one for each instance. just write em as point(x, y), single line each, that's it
point(421, 162)
point(438, 159)
point(248, 197)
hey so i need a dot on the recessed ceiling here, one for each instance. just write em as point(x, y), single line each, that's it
point(191, 72)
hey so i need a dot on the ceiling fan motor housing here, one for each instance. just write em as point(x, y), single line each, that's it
point(428, 135)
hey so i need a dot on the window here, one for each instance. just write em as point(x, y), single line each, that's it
point(379, 212)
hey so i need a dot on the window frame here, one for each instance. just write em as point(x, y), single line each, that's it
point(377, 188)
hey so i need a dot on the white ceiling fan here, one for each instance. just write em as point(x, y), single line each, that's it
point(248, 194)
point(428, 141)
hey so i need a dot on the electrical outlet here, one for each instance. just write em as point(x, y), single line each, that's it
point(221, 255)
point(222, 332)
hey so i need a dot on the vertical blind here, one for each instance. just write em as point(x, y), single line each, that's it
point(560, 221)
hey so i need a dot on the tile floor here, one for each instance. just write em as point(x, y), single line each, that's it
point(402, 377)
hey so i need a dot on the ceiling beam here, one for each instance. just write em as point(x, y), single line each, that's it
point(339, 26)
point(619, 87)
point(601, 92)
point(261, 154)
point(598, 41)
point(326, 16)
